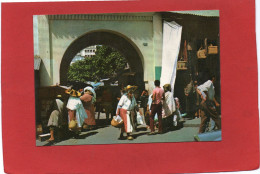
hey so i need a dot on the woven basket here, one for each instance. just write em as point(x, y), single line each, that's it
point(213, 49)
point(201, 53)
point(72, 124)
point(117, 124)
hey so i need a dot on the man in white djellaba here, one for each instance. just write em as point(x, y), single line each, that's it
point(168, 108)
point(127, 108)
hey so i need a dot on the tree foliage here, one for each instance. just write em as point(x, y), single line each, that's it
point(105, 64)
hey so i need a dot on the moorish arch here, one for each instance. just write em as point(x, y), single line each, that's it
point(109, 38)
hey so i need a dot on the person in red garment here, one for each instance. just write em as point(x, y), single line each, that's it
point(156, 107)
point(88, 99)
point(127, 108)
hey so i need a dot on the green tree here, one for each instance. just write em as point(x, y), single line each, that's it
point(105, 64)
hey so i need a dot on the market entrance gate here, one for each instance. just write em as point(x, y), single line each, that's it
point(137, 36)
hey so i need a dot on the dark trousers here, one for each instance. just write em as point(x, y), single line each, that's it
point(208, 111)
point(133, 120)
point(156, 108)
point(167, 123)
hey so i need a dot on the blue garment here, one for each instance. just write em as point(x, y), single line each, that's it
point(210, 136)
point(212, 125)
point(150, 100)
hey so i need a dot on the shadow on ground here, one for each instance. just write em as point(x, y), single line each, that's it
point(83, 136)
point(70, 135)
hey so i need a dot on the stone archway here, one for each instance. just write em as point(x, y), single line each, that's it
point(113, 39)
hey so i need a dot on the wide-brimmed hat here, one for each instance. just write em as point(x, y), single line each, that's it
point(58, 96)
point(72, 92)
point(130, 88)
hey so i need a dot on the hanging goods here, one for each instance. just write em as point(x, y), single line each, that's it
point(212, 49)
point(201, 53)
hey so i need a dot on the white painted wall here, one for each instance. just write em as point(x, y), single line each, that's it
point(64, 32)
point(42, 48)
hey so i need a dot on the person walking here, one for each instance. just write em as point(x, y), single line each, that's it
point(127, 108)
point(156, 107)
point(88, 99)
point(208, 104)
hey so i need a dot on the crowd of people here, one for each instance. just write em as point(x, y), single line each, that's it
point(158, 111)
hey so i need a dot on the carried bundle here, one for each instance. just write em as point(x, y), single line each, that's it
point(139, 118)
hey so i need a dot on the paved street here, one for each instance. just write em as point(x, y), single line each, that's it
point(108, 134)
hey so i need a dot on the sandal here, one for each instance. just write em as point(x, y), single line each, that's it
point(85, 126)
point(50, 140)
point(130, 138)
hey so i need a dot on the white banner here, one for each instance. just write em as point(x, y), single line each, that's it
point(171, 47)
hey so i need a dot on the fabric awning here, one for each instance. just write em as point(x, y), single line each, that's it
point(206, 13)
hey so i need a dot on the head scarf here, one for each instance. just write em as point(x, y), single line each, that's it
point(88, 88)
point(167, 87)
point(59, 103)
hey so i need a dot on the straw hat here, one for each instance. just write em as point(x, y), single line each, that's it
point(72, 92)
point(58, 96)
point(130, 88)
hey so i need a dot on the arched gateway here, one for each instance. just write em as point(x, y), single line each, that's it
point(137, 36)
point(104, 37)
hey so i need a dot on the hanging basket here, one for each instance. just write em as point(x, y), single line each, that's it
point(212, 49)
point(201, 53)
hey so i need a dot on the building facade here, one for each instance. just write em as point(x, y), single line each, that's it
point(137, 36)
